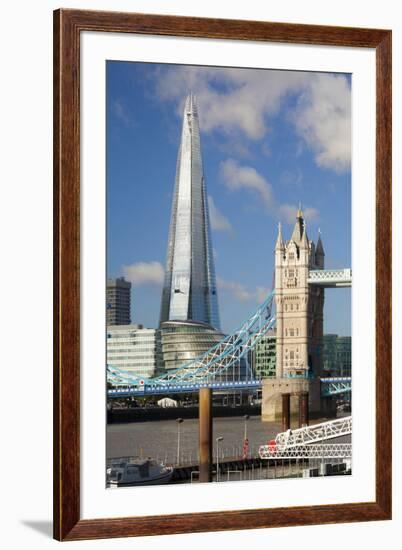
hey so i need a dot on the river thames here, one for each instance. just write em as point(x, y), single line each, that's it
point(159, 439)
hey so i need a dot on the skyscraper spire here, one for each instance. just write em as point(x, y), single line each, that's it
point(189, 291)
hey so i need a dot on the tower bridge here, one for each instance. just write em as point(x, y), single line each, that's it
point(300, 281)
point(294, 308)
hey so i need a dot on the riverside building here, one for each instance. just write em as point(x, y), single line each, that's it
point(135, 349)
point(263, 356)
point(118, 301)
point(337, 355)
point(184, 341)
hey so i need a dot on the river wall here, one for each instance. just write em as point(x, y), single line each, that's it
point(141, 414)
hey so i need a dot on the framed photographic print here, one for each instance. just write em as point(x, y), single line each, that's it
point(222, 234)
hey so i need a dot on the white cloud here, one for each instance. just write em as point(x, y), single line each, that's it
point(247, 98)
point(143, 273)
point(241, 293)
point(287, 213)
point(219, 222)
point(323, 119)
point(238, 290)
point(121, 112)
point(237, 177)
point(249, 95)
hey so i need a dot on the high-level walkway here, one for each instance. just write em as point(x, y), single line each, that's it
point(330, 278)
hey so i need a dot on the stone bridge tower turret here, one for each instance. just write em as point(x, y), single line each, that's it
point(299, 306)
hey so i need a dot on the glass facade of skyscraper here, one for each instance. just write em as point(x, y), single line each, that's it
point(263, 356)
point(337, 355)
point(189, 291)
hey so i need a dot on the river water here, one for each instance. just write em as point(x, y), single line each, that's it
point(160, 439)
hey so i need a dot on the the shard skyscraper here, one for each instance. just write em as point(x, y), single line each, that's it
point(189, 291)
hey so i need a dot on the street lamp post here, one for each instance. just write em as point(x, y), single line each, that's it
point(246, 417)
point(179, 421)
point(218, 440)
point(245, 440)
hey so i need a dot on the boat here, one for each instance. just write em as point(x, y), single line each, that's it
point(130, 471)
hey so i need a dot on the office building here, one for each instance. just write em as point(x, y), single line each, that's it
point(189, 291)
point(263, 356)
point(118, 302)
point(135, 349)
point(337, 355)
point(184, 341)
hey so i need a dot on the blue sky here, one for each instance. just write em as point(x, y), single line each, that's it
point(269, 140)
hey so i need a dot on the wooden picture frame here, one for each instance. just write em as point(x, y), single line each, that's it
point(68, 24)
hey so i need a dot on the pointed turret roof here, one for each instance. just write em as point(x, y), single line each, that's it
point(319, 249)
point(300, 211)
point(299, 227)
point(280, 245)
point(304, 238)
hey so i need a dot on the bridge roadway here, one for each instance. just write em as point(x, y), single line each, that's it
point(208, 370)
point(336, 386)
point(181, 388)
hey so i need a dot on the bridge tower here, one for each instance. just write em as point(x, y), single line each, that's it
point(299, 322)
point(299, 306)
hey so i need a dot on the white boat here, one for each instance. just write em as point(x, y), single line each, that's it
point(129, 471)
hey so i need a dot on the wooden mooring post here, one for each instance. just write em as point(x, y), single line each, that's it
point(303, 409)
point(205, 441)
point(285, 411)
